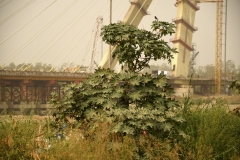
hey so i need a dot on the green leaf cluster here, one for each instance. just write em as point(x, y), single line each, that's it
point(235, 86)
point(136, 47)
point(132, 104)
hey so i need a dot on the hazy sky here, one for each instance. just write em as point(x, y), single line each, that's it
point(61, 31)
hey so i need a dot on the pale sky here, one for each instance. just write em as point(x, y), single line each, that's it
point(61, 31)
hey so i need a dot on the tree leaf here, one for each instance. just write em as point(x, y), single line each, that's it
point(135, 96)
point(160, 82)
point(90, 113)
point(166, 126)
point(116, 95)
point(135, 81)
point(100, 100)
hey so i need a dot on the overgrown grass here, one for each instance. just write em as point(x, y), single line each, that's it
point(212, 133)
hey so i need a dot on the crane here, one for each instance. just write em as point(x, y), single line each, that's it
point(97, 30)
point(183, 37)
point(192, 60)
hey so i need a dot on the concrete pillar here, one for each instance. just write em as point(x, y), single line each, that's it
point(183, 36)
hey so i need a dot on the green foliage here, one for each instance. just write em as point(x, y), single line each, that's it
point(238, 73)
point(212, 132)
point(20, 139)
point(131, 102)
point(17, 138)
point(136, 47)
point(207, 71)
point(235, 86)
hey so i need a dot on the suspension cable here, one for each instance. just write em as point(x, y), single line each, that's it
point(15, 13)
point(43, 29)
point(85, 43)
point(5, 3)
point(138, 11)
point(55, 37)
point(24, 26)
point(28, 22)
point(74, 38)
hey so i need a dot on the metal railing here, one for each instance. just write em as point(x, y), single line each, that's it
point(39, 73)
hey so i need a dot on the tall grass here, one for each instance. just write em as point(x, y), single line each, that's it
point(212, 133)
point(17, 138)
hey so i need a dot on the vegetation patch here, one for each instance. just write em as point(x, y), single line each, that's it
point(128, 115)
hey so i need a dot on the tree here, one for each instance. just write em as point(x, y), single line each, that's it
point(230, 69)
point(230, 66)
point(38, 66)
point(207, 71)
point(46, 67)
point(136, 47)
point(238, 73)
point(130, 103)
point(19, 66)
point(65, 66)
point(11, 66)
point(235, 86)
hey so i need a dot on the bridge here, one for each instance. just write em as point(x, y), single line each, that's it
point(34, 86)
point(32, 89)
point(23, 86)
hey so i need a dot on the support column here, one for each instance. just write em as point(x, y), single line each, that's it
point(3, 93)
point(3, 104)
point(183, 36)
point(23, 93)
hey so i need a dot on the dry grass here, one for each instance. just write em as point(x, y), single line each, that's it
point(214, 134)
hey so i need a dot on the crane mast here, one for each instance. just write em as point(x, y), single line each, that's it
point(218, 52)
point(96, 36)
point(192, 61)
point(218, 49)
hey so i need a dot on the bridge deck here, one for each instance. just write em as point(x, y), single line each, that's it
point(38, 75)
point(36, 86)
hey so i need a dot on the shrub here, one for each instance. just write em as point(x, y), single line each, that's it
point(133, 103)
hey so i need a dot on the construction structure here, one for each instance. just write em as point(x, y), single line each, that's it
point(96, 31)
point(33, 89)
point(183, 37)
point(192, 61)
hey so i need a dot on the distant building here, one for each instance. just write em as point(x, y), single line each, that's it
point(162, 72)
